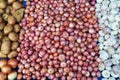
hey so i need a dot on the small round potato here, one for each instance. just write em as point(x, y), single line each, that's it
point(13, 36)
point(16, 28)
point(11, 20)
point(14, 45)
point(17, 5)
point(8, 29)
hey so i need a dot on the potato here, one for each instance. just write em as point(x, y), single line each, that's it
point(1, 35)
point(11, 20)
point(5, 16)
point(3, 4)
point(13, 36)
point(17, 5)
point(1, 11)
point(1, 19)
point(8, 29)
point(5, 47)
point(19, 14)
point(14, 45)
point(10, 1)
point(8, 9)
point(2, 26)
point(12, 54)
point(3, 55)
point(16, 28)
point(5, 38)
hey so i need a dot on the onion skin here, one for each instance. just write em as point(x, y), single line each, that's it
point(3, 62)
point(6, 69)
point(2, 76)
point(13, 62)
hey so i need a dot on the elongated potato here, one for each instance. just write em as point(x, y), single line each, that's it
point(14, 45)
point(12, 54)
point(3, 55)
point(5, 47)
point(3, 4)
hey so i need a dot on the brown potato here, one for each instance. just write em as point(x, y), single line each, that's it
point(3, 55)
point(5, 38)
point(17, 5)
point(1, 11)
point(5, 16)
point(3, 4)
point(8, 29)
point(11, 20)
point(13, 36)
point(1, 19)
point(19, 14)
point(8, 9)
point(14, 45)
point(1, 35)
point(2, 26)
point(10, 1)
point(12, 54)
point(16, 28)
point(5, 47)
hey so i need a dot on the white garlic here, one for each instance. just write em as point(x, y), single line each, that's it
point(111, 78)
point(103, 55)
point(114, 75)
point(106, 73)
point(115, 61)
point(101, 66)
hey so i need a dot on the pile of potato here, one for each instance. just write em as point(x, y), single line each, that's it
point(11, 13)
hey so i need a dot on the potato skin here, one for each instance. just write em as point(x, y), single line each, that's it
point(1, 35)
point(8, 29)
point(11, 20)
point(3, 55)
point(17, 5)
point(2, 26)
point(14, 45)
point(10, 1)
point(18, 14)
point(3, 4)
point(5, 47)
point(16, 28)
point(12, 54)
point(13, 36)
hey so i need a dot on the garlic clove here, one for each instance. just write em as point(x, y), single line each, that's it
point(106, 73)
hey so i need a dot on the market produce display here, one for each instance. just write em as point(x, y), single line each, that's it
point(11, 13)
point(108, 13)
point(59, 39)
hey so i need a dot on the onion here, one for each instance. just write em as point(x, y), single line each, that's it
point(3, 62)
point(6, 69)
point(2, 76)
point(13, 62)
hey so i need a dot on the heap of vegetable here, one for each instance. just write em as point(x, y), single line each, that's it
point(11, 13)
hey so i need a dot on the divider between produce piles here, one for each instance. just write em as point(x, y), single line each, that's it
point(108, 13)
point(11, 13)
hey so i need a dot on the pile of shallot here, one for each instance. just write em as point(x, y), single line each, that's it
point(58, 38)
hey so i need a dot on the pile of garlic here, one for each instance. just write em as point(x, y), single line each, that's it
point(108, 13)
